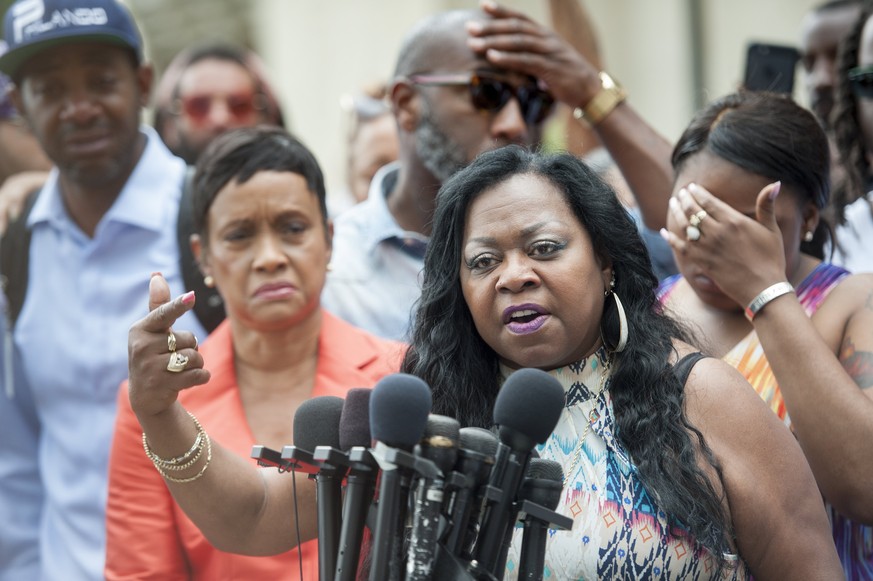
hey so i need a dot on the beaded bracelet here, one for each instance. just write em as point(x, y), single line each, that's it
point(198, 443)
point(186, 460)
point(199, 474)
point(188, 464)
point(175, 463)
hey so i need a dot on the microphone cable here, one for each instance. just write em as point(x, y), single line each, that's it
point(297, 521)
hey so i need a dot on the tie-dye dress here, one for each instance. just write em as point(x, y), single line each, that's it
point(618, 530)
point(854, 542)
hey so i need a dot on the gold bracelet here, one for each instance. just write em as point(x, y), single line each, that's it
point(199, 474)
point(188, 464)
point(198, 443)
point(611, 94)
point(184, 461)
point(198, 446)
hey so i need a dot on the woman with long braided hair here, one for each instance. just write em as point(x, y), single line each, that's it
point(851, 208)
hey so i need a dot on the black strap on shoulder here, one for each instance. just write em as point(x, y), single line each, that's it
point(15, 260)
point(682, 369)
point(209, 307)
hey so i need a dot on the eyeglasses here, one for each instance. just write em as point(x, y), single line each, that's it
point(491, 93)
point(861, 81)
point(240, 106)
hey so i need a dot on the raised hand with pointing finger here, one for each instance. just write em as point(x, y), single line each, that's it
point(154, 348)
point(183, 489)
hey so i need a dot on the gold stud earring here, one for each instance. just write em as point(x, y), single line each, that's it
point(209, 281)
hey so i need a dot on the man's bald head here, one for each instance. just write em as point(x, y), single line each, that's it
point(435, 41)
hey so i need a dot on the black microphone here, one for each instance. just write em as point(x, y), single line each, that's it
point(527, 409)
point(542, 486)
point(354, 436)
point(399, 406)
point(440, 446)
point(475, 459)
point(316, 423)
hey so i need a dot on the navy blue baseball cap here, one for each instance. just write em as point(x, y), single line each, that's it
point(31, 26)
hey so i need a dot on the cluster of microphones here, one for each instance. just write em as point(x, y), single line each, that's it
point(439, 501)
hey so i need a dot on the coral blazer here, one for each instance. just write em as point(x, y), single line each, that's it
point(148, 535)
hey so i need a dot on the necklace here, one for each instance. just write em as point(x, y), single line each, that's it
point(592, 417)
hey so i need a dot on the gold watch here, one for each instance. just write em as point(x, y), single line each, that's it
point(609, 96)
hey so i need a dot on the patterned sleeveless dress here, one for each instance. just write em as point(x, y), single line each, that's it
point(618, 530)
point(854, 541)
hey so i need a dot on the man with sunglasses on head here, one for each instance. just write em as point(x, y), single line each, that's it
point(105, 218)
point(467, 82)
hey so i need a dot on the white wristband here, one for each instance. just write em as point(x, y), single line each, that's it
point(767, 295)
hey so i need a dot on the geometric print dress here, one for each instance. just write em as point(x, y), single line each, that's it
point(618, 530)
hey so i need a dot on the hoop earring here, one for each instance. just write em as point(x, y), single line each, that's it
point(209, 281)
point(614, 314)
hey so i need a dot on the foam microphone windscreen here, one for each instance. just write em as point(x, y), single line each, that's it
point(399, 406)
point(544, 483)
point(530, 402)
point(545, 469)
point(440, 441)
point(316, 423)
point(478, 440)
point(354, 427)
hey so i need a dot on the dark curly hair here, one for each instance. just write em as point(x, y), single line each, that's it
point(847, 125)
point(770, 135)
point(648, 400)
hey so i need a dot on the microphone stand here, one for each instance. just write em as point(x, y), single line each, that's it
point(359, 490)
point(533, 541)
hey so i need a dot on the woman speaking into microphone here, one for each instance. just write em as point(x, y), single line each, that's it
point(666, 456)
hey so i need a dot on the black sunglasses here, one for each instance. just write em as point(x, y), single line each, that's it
point(861, 81)
point(491, 93)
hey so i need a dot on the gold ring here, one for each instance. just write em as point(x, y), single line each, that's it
point(696, 218)
point(692, 233)
point(178, 362)
point(171, 342)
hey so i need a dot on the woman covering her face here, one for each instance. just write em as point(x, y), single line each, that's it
point(265, 243)
point(529, 260)
point(534, 263)
point(751, 180)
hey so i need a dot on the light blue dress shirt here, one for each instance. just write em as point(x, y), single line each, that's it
point(375, 268)
point(71, 340)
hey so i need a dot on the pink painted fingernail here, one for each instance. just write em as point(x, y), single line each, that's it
point(473, 26)
point(777, 187)
point(188, 298)
point(154, 274)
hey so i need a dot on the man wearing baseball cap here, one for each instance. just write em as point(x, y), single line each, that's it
point(105, 219)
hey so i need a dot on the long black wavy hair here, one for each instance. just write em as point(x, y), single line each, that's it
point(648, 400)
point(847, 125)
point(770, 135)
